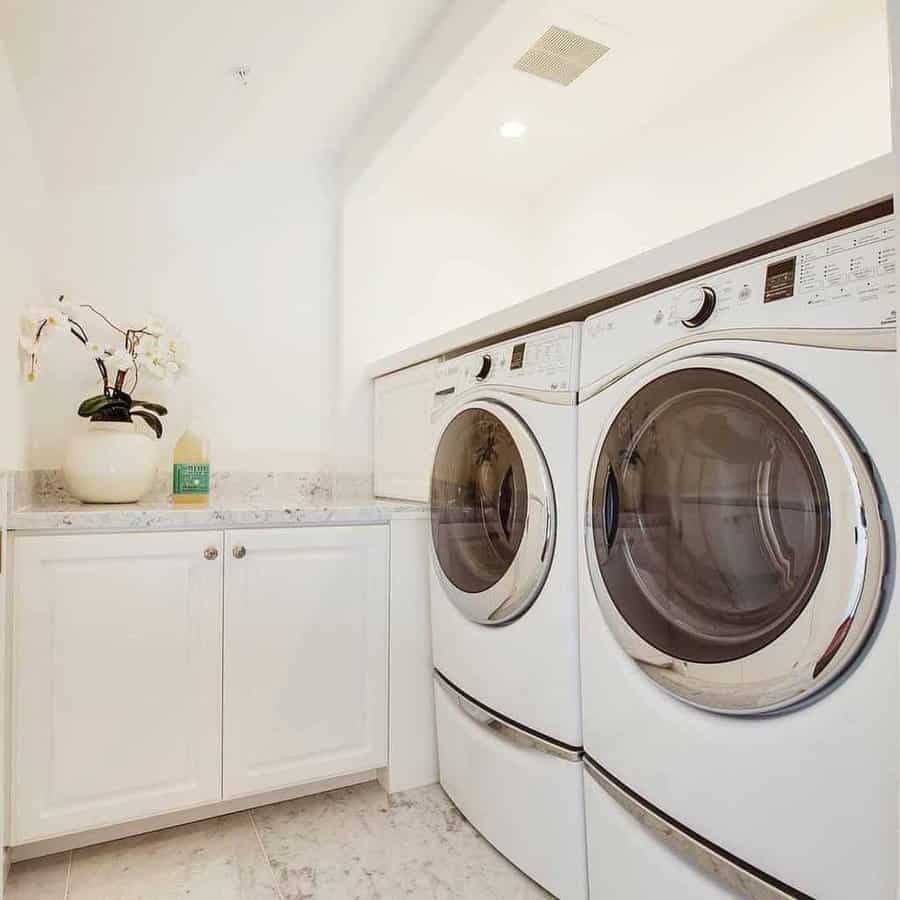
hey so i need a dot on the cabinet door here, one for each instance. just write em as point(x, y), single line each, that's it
point(116, 678)
point(305, 655)
point(402, 437)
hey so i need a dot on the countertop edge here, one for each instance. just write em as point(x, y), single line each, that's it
point(71, 521)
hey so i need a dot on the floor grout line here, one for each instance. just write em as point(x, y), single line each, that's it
point(262, 850)
point(68, 874)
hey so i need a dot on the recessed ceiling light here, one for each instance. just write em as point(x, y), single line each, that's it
point(512, 129)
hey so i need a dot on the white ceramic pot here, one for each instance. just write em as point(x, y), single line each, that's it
point(110, 462)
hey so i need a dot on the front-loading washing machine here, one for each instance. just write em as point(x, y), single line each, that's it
point(738, 465)
point(504, 600)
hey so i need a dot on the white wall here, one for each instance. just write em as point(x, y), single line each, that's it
point(419, 256)
point(22, 216)
point(234, 245)
point(424, 255)
point(240, 258)
point(173, 187)
point(801, 109)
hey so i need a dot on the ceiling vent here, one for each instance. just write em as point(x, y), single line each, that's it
point(560, 56)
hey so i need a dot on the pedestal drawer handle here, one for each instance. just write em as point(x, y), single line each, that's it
point(239, 551)
point(211, 553)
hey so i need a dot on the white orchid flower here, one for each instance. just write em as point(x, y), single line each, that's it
point(98, 351)
point(50, 317)
point(155, 364)
point(167, 344)
point(146, 349)
point(28, 344)
point(150, 345)
point(119, 361)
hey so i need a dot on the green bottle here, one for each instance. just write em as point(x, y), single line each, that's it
point(190, 471)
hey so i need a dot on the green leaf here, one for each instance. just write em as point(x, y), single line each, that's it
point(115, 412)
point(151, 420)
point(153, 407)
point(95, 404)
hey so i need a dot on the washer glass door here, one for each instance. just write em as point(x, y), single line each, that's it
point(711, 530)
point(493, 516)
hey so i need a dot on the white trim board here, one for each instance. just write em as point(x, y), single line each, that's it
point(867, 183)
point(81, 839)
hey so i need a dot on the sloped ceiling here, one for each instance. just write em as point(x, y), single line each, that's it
point(130, 89)
point(666, 58)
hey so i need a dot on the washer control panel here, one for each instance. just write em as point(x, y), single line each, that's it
point(546, 361)
point(844, 280)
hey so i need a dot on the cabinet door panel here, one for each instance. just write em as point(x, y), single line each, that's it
point(117, 678)
point(402, 432)
point(305, 655)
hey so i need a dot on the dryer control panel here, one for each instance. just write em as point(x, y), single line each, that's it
point(846, 280)
point(546, 361)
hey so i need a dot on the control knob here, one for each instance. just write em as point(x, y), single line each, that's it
point(485, 369)
point(696, 305)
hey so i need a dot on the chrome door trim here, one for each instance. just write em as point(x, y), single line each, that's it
point(882, 340)
point(513, 595)
point(503, 728)
point(497, 392)
point(839, 617)
point(745, 880)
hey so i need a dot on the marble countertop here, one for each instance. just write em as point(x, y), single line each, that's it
point(38, 502)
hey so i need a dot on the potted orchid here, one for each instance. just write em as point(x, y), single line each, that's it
point(112, 461)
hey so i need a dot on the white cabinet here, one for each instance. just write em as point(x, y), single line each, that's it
point(158, 671)
point(305, 654)
point(402, 432)
point(116, 678)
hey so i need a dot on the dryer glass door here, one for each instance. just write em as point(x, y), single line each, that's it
point(712, 529)
point(493, 516)
point(715, 516)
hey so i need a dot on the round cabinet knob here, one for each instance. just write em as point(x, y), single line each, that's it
point(239, 551)
point(211, 553)
point(696, 305)
point(485, 369)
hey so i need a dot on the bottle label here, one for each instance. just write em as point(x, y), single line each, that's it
point(190, 478)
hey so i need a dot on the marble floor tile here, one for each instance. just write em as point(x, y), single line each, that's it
point(358, 843)
point(39, 879)
point(351, 844)
point(217, 859)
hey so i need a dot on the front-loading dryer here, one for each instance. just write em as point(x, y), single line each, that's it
point(504, 600)
point(738, 465)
